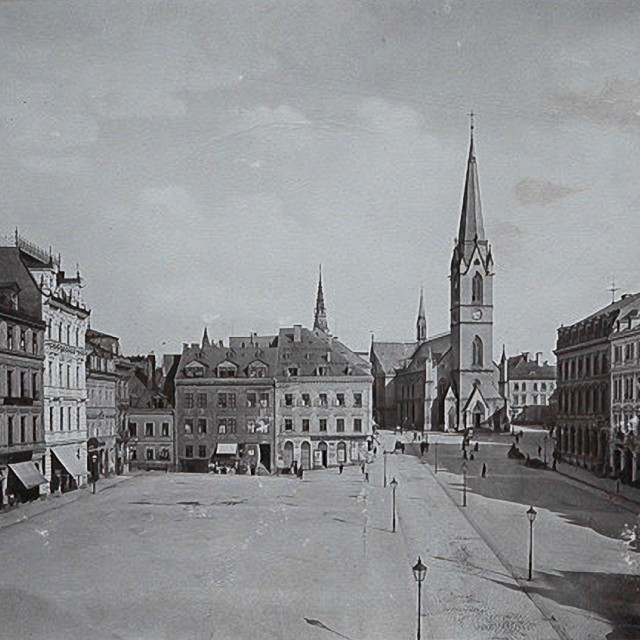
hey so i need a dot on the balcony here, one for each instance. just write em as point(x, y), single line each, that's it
point(18, 402)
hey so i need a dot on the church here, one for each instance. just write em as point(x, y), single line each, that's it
point(449, 382)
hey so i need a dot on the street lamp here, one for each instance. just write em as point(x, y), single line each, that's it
point(544, 440)
point(419, 573)
point(531, 514)
point(393, 484)
point(435, 446)
point(94, 460)
point(385, 469)
point(464, 483)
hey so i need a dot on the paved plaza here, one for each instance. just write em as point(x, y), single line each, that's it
point(171, 556)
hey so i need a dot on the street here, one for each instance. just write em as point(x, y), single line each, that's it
point(199, 556)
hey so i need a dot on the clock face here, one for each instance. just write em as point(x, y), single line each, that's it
point(477, 314)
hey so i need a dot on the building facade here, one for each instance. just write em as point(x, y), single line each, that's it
point(64, 388)
point(449, 382)
point(624, 457)
point(22, 449)
point(583, 354)
point(530, 386)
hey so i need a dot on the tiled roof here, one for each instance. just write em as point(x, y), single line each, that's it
point(520, 368)
point(391, 355)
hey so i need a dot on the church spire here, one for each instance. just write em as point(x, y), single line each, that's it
point(205, 338)
point(421, 324)
point(320, 319)
point(471, 224)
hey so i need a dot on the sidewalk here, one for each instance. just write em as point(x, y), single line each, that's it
point(25, 511)
point(468, 593)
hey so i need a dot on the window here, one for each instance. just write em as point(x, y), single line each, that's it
point(292, 371)
point(9, 337)
point(340, 425)
point(305, 424)
point(516, 386)
point(61, 418)
point(288, 424)
point(357, 399)
point(264, 399)
point(188, 451)
point(231, 400)
point(9, 383)
point(23, 384)
point(321, 371)
point(252, 399)
point(357, 425)
point(323, 424)
point(306, 400)
point(202, 451)
point(543, 386)
point(288, 399)
point(148, 429)
point(523, 400)
point(535, 386)
point(524, 386)
point(202, 425)
point(165, 429)
point(23, 428)
point(323, 399)
point(10, 430)
point(231, 425)
point(202, 400)
point(226, 372)
point(21, 335)
point(188, 400)
point(222, 400)
point(34, 430)
point(35, 391)
point(149, 453)
point(340, 399)
point(543, 398)
point(535, 398)
point(188, 426)
point(164, 454)
point(222, 426)
point(251, 425)
point(477, 352)
point(476, 289)
point(133, 454)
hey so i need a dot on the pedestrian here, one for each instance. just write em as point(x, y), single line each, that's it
point(362, 467)
point(464, 444)
point(476, 447)
point(366, 476)
point(464, 454)
point(539, 451)
point(341, 467)
point(553, 466)
point(300, 473)
point(517, 439)
point(427, 446)
point(471, 456)
point(484, 470)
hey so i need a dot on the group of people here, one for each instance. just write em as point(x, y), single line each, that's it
point(466, 442)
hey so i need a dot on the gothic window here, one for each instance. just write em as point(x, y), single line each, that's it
point(476, 289)
point(477, 352)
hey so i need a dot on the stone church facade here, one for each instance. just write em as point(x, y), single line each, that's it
point(449, 381)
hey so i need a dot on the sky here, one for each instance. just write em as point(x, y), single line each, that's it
point(199, 160)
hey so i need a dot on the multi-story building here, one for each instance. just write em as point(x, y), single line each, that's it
point(150, 438)
point(625, 401)
point(124, 371)
point(102, 412)
point(65, 390)
point(225, 404)
point(323, 397)
point(22, 447)
point(530, 384)
point(583, 354)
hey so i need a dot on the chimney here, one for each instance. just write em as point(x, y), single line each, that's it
point(328, 356)
point(525, 355)
point(220, 344)
point(297, 332)
point(185, 346)
point(539, 358)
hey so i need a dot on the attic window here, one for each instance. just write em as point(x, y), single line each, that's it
point(321, 371)
point(292, 371)
point(226, 371)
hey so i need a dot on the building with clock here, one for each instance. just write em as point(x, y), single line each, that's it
point(449, 381)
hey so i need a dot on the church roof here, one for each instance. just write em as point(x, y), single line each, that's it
point(434, 347)
point(391, 355)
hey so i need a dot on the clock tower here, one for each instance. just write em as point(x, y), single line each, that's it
point(472, 369)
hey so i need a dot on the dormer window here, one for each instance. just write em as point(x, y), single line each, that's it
point(227, 370)
point(292, 371)
point(321, 371)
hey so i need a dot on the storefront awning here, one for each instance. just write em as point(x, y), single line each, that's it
point(226, 449)
point(28, 474)
point(67, 458)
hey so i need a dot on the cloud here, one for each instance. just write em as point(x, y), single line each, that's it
point(617, 103)
point(541, 191)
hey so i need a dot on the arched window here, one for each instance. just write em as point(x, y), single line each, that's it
point(476, 289)
point(477, 352)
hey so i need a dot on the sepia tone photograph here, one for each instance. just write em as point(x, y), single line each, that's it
point(319, 319)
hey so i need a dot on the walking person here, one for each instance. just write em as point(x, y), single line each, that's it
point(539, 451)
point(484, 469)
point(341, 467)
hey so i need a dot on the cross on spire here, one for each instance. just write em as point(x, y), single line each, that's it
point(613, 290)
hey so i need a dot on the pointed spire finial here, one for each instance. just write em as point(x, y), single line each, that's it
point(320, 319)
point(421, 324)
point(205, 338)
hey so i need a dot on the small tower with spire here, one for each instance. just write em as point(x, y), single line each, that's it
point(205, 338)
point(421, 324)
point(320, 317)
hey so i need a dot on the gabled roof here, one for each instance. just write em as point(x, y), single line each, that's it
point(391, 355)
point(521, 368)
point(433, 348)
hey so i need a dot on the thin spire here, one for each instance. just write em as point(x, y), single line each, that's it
point(421, 324)
point(205, 338)
point(320, 319)
point(471, 224)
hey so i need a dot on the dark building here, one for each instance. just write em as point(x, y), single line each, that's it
point(22, 448)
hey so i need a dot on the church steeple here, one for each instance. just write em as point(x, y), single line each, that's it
point(205, 338)
point(421, 324)
point(471, 231)
point(320, 319)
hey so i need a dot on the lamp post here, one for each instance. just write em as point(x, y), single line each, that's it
point(419, 573)
point(464, 483)
point(531, 514)
point(544, 440)
point(94, 460)
point(385, 469)
point(435, 446)
point(394, 484)
point(1, 490)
